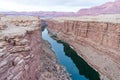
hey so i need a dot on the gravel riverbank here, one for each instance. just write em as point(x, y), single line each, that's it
point(50, 68)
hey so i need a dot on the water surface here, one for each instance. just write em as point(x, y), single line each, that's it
point(67, 57)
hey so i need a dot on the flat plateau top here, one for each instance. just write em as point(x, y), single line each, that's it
point(10, 28)
point(112, 18)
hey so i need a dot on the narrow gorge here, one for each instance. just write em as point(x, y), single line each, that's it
point(23, 53)
point(96, 40)
point(77, 68)
point(59, 40)
point(74, 48)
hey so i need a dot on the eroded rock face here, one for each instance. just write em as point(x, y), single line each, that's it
point(105, 34)
point(97, 42)
point(20, 48)
point(23, 53)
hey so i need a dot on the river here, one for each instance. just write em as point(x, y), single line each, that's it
point(75, 65)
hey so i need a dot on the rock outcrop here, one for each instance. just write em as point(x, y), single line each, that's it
point(20, 48)
point(23, 53)
point(97, 42)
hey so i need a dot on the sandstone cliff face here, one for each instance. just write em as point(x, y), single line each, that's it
point(20, 48)
point(97, 42)
point(23, 53)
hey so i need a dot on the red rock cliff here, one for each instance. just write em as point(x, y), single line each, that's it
point(96, 42)
point(20, 48)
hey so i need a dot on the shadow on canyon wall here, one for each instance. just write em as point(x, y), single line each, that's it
point(44, 24)
point(84, 68)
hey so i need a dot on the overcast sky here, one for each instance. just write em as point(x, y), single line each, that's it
point(48, 5)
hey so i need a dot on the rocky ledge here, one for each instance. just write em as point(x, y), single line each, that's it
point(95, 39)
point(19, 55)
point(22, 56)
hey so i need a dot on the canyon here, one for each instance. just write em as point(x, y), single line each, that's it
point(95, 39)
point(50, 45)
point(23, 53)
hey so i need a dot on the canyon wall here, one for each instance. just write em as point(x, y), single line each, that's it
point(23, 53)
point(97, 42)
point(20, 47)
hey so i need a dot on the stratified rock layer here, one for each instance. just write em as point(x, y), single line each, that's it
point(23, 53)
point(20, 48)
point(95, 41)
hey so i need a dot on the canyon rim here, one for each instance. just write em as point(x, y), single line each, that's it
point(72, 44)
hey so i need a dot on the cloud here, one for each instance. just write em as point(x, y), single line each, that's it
point(40, 2)
point(59, 2)
point(48, 5)
point(86, 3)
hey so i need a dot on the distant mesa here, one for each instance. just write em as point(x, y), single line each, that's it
point(107, 8)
